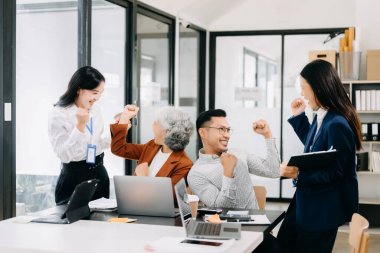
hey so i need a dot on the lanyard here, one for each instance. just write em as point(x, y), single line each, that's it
point(90, 129)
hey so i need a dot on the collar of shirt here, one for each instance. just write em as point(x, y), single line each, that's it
point(321, 113)
point(202, 155)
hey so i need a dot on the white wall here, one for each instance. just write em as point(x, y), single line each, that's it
point(275, 14)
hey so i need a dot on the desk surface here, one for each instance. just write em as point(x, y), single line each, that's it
point(274, 217)
point(95, 236)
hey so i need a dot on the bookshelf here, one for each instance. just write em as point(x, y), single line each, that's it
point(365, 96)
point(369, 113)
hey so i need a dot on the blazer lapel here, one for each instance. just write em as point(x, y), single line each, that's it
point(169, 165)
point(326, 119)
point(310, 137)
point(150, 153)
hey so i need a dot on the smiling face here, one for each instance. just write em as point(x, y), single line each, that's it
point(87, 98)
point(308, 93)
point(215, 142)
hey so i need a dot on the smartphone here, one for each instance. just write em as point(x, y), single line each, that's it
point(208, 243)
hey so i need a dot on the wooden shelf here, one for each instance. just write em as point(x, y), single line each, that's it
point(371, 142)
point(368, 112)
point(367, 173)
point(369, 201)
point(360, 81)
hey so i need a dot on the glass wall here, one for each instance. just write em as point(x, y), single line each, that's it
point(46, 57)
point(153, 72)
point(189, 83)
point(248, 87)
point(296, 50)
point(108, 56)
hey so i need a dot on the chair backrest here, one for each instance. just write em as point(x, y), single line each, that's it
point(261, 195)
point(358, 225)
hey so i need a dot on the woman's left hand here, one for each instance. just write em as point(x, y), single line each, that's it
point(262, 127)
point(142, 169)
point(288, 171)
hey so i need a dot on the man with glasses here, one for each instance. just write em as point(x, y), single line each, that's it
point(219, 178)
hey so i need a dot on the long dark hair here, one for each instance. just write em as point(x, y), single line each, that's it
point(86, 78)
point(330, 93)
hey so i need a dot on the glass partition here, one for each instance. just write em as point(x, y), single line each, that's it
point(248, 87)
point(189, 83)
point(153, 71)
point(46, 58)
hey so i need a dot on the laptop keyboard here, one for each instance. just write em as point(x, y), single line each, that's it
point(207, 229)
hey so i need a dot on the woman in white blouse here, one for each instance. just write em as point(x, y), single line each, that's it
point(75, 132)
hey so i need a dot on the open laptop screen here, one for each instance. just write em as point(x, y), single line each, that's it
point(184, 207)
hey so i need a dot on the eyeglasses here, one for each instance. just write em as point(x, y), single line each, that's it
point(222, 130)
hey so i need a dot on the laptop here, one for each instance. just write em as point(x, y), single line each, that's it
point(150, 196)
point(200, 229)
point(77, 207)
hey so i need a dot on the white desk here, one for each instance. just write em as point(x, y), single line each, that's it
point(96, 236)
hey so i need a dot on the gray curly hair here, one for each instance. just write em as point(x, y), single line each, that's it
point(178, 126)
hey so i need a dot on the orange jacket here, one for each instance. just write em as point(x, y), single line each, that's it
point(176, 167)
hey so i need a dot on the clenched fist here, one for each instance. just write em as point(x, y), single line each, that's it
point(262, 127)
point(129, 112)
point(298, 106)
point(229, 162)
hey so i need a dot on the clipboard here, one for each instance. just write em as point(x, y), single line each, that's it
point(313, 160)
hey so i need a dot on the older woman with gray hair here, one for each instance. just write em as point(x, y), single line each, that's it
point(164, 156)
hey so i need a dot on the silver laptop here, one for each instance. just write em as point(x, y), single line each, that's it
point(151, 196)
point(199, 229)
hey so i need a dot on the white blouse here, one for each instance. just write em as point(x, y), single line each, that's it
point(68, 142)
point(157, 162)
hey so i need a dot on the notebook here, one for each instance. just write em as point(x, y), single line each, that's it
point(313, 160)
point(151, 196)
point(200, 229)
point(77, 207)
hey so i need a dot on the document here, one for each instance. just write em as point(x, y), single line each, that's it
point(313, 160)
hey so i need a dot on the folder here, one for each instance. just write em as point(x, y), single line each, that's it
point(375, 131)
point(373, 100)
point(357, 100)
point(368, 100)
point(378, 100)
point(362, 161)
point(313, 160)
point(363, 100)
point(364, 131)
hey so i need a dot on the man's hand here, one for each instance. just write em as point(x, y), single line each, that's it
point(229, 162)
point(142, 169)
point(262, 127)
point(83, 117)
point(298, 106)
point(288, 171)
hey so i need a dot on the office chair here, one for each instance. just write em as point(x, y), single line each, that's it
point(358, 236)
point(261, 196)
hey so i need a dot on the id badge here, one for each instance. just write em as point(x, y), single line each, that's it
point(91, 153)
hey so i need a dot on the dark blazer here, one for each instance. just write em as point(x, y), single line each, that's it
point(326, 197)
point(176, 167)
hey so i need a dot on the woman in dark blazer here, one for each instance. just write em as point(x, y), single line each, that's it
point(325, 198)
point(165, 155)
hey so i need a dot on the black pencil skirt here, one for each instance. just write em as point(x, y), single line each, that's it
point(74, 173)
